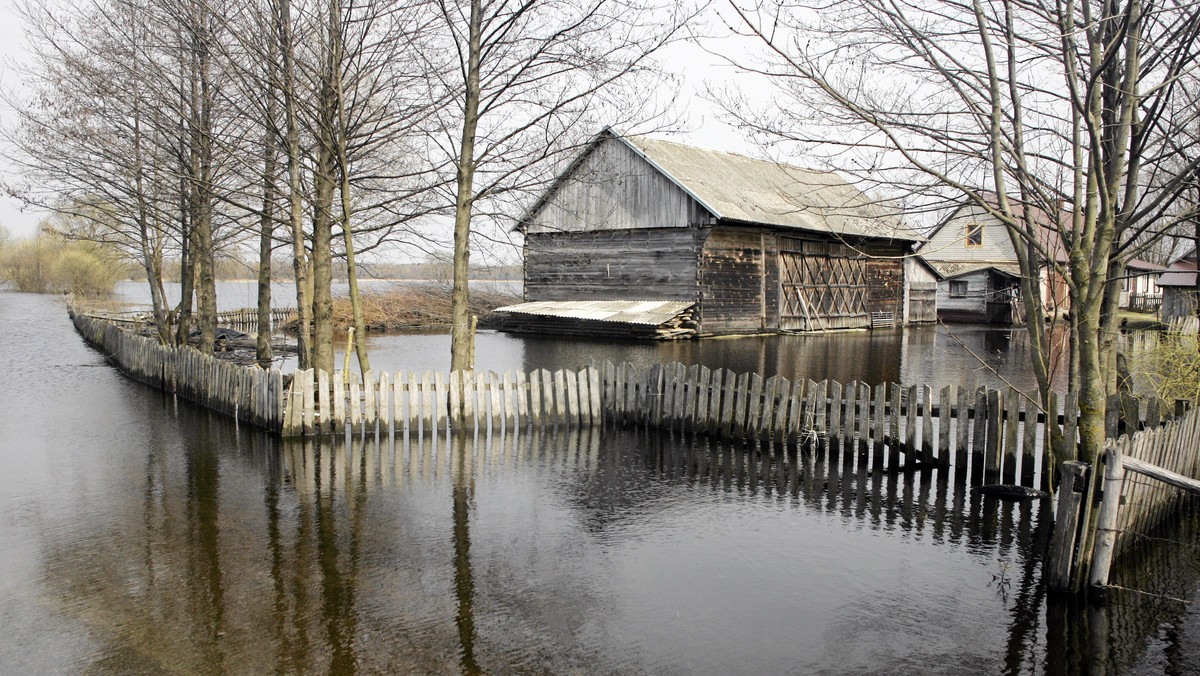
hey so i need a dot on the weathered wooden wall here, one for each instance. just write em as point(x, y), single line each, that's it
point(614, 188)
point(732, 276)
point(885, 284)
point(973, 307)
point(639, 264)
point(948, 242)
point(920, 292)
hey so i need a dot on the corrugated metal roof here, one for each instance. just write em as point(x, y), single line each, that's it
point(649, 312)
point(1177, 278)
point(740, 188)
point(956, 269)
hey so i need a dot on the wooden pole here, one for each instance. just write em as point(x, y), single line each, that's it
point(1106, 525)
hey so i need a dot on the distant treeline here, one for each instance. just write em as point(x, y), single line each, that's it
point(231, 268)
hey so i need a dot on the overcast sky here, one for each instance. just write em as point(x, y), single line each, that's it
point(692, 63)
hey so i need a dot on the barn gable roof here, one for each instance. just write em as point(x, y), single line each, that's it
point(741, 189)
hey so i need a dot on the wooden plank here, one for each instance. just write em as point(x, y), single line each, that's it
point(994, 436)
point(927, 445)
point(962, 425)
point(307, 395)
point(427, 401)
point(979, 436)
point(469, 419)
point(507, 402)
point(910, 422)
point(441, 399)
point(699, 419)
point(864, 416)
point(1029, 447)
point(742, 405)
point(618, 403)
point(716, 387)
point(795, 426)
point(880, 420)
point(493, 392)
point(584, 394)
point(783, 398)
point(355, 401)
point(728, 403)
point(339, 402)
point(482, 400)
point(522, 393)
point(594, 389)
point(550, 410)
point(1060, 558)
point(691, 383)
point(945, 404)
point(535, 398)
point(1012, 411)
point(369, 395)
point(849, 415)
point(821, 408)
point(385, 403)
point(563, 408)
point(754, 405)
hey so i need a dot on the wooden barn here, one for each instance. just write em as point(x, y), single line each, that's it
point(751, 246)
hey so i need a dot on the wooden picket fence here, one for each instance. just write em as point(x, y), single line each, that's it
point(432, 402)
point(1184, 325)
point(1146, 476)
point(246, 319)
point(249, 394)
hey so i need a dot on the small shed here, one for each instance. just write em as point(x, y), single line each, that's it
point(1179, 291)
point(980, 293)
point(753, 246)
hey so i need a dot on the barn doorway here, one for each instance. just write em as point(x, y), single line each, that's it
point(823, 286)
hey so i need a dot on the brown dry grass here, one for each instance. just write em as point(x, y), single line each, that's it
point(413, 306)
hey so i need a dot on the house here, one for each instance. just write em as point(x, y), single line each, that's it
point(1178, 284)
point(750, 246)
point(980, 273)
point(1139, 288)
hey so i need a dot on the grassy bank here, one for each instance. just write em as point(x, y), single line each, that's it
point(414, 306)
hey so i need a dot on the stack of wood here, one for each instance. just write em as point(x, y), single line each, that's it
point(682, 325)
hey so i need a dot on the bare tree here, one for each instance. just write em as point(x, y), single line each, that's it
point(1049, 114)
point(530, 80)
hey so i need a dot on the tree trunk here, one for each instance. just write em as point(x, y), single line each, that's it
point(460, 332)
point(360, 327)
point(266, 235)
point(300, 262)
point(202, 234)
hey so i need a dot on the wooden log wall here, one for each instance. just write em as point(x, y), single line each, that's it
point(434, 403)
point(249, 394)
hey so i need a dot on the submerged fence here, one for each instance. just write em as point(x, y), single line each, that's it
point(992, 435)
point(249, 394)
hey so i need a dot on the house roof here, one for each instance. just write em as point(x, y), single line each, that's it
point(746, 190)
point(951, 269)
point(649, 312)
point(1181, 273)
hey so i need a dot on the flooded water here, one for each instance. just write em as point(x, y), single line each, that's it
point(969, 355)
point(140, 534)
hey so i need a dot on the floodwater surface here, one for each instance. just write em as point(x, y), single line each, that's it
point(140, 534)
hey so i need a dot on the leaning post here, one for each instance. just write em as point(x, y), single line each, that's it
point(1106, 526)
point(1061, 557)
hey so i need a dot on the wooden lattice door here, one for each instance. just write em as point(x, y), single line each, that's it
point(823, 286)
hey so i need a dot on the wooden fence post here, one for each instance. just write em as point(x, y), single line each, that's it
point(1106, 525)
point(1061, 557)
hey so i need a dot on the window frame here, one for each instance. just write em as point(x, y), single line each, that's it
point(959, 288)
point(973, 231)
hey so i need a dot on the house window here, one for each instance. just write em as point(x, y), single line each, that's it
point(974, 234)
point(958, 289)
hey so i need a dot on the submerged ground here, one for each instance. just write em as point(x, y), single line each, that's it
point(140, 534)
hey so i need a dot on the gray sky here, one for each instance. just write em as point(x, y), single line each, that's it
point(693, 64)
